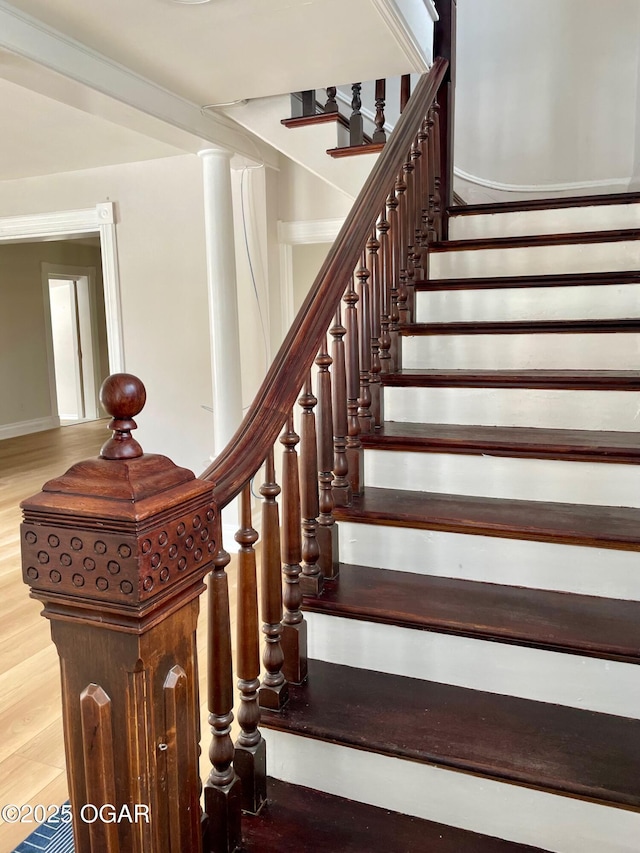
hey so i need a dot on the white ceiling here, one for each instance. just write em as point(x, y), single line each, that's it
point(229, 49)
point(553, 84)
point(60, 117)
point(41, 136)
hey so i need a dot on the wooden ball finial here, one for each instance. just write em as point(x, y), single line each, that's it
point(123, 396)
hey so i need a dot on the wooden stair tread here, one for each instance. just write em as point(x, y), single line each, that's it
point(296, 818)
point(513, 281)
point(367, 147)
point(546, 204)
point(570, 238)
point(550, 747)
point(579, 624)
point(529, 442)
point(571, 524)
point(586, 380)
point(524, 327)
point(317, 118)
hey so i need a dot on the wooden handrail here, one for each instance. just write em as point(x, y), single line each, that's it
point(247, 449)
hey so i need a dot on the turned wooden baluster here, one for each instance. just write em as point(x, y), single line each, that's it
point(365, 415)
point(423, 142)
point(355, 458)
point(375, 384)
point(437, 172)
point(331, 105)
point(327, 532)
point(405, 90)
point(274, 691)
point(311, 579)
point(250, 754)
point(379, 135)
point(356, 132)
point(409, 233)
point(384, 269)
point(401, 241)
point(222, 790)
point(342, 494)
point(416, 223)
point(294, 627)
point(395, 347)
point(433, 232)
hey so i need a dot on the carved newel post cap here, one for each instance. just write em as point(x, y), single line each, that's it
point(123, 396)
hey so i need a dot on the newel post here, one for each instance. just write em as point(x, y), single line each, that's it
point(117, 549)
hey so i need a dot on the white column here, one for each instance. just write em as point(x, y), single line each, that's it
point(223, 312)
point(223, 298)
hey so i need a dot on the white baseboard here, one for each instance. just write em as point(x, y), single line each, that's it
point(25, 427)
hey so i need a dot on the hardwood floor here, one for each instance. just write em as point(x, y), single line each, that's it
point(32, 766)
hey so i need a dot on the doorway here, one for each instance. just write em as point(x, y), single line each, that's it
point(83, 239)
point(73, 341)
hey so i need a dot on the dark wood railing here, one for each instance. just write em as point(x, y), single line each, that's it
point(278, 392)
point(119, 547)
point(383, 242)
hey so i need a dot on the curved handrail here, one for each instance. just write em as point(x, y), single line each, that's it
point(246, 450)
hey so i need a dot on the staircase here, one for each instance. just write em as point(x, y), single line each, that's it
point(460, 509)
point(476, 662)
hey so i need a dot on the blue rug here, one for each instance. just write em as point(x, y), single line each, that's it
point(52, 837)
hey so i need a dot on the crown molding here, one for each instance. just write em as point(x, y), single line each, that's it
point(411, 24)
point(309, 231)
point(540, 188)
point(118, 94)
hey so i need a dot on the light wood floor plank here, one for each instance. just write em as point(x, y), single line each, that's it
point(32, 749)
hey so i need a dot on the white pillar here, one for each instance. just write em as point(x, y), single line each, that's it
point(223, 312)
point(223, 296)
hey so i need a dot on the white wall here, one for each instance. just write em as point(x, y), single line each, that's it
point(634, 185)
point(303, 196)
point(160, 234)
point(161, 255)
point(306, 262)
point(252, 204)
point(546, 91)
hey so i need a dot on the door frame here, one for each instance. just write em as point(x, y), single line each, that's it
point(63, 224)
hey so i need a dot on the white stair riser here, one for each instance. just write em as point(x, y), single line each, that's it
point(525, 816)
point(537, 303)
point(522, 352)
point(609, 687)
point(529, 222)
point(505, 477)
point(536, 260)
point(539, 565)
point(527, 407)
